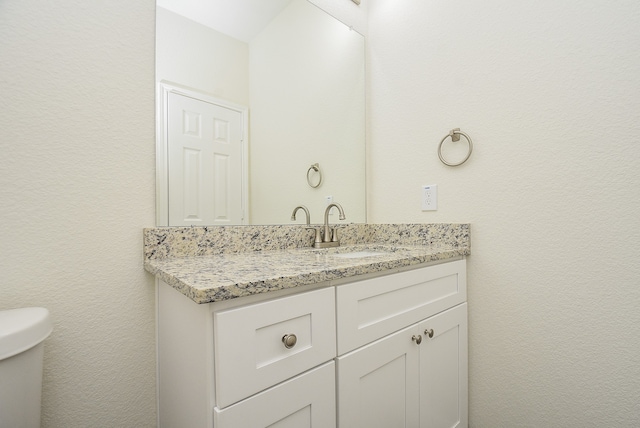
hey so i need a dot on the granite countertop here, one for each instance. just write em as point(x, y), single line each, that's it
point(216, 264)
point(214, 278)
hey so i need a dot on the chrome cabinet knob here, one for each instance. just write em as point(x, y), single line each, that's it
point(289, 340)
point(429, 332)
point(417, 339)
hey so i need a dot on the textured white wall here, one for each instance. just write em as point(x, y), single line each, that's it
point(549, 92)
point(77, 186)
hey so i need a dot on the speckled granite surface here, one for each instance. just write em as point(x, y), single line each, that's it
point(210, 264)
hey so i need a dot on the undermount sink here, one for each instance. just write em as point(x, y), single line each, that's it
point(357, 254)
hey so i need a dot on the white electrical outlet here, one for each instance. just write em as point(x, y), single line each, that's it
point(328, 201)
point(430, 197)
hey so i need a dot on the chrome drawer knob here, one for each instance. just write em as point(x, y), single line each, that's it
point(289, 340)
point(417, 339)
point(429, 332)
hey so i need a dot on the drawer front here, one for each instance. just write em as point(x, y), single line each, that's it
point(307, 400)
point(250, 354)
point(370, 309)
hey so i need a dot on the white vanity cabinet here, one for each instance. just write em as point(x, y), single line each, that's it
point(353, 355)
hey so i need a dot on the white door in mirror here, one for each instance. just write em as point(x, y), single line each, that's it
point(205, 163)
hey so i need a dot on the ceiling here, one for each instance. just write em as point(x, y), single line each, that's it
point(240, 19)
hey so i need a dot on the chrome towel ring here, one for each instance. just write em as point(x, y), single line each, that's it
point(316, 168)
point(455, 136)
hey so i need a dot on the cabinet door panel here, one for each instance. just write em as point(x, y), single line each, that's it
point(305, 401)
point(443, 370)
point(378, 385)
point(250, 355)
point(372, 308)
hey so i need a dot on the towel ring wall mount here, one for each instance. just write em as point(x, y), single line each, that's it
point(455, 136)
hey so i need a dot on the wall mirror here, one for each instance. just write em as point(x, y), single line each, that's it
point(278, 86)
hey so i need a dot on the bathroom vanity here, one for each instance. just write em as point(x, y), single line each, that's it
point(364, 335)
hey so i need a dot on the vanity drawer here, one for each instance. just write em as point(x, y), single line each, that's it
point(370, 309)
point(250, 354)
point(308, 400)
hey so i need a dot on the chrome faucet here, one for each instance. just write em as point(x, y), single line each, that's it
point(303, 208)
point(330, 237)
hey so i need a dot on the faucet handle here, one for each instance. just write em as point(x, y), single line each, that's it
point(334, 233)
point(318, 234)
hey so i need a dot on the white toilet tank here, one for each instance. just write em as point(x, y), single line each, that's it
point(22, 332)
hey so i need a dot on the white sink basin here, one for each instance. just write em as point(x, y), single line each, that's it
point(357, 255)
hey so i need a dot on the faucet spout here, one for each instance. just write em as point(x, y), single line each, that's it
point(328, 233)
point(306, 212)
point(326, 212)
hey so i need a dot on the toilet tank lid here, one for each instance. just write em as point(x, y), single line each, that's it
point(22, 329)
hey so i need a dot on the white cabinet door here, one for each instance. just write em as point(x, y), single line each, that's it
point(443, 370)
point(378, 384)
point(306, 401)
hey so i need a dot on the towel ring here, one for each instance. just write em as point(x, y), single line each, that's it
point(455, 136)
point(315, 167)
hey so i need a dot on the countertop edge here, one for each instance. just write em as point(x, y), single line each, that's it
point(232, 289)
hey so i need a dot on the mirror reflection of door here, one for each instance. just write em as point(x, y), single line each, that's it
point(205, 170)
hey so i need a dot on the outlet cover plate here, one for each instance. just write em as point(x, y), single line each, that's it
point(430, 197)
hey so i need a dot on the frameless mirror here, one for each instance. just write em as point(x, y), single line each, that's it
point(261, 108)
